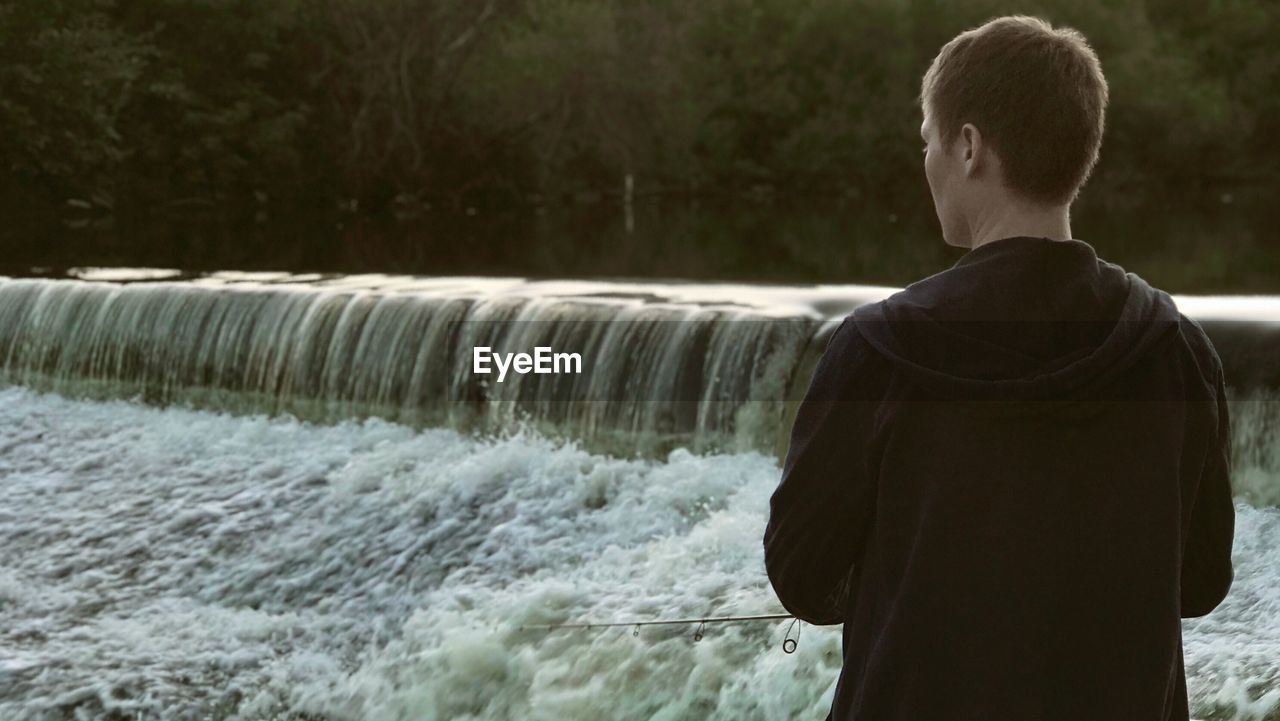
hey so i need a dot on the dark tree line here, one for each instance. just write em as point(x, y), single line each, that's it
point(238, 106)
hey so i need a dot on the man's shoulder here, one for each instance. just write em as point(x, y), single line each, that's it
point(848, 340)
point(1193, 336)
point(1201, 348)
point(849, 363)
point(845, 344)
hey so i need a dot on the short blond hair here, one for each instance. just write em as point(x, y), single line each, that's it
point(1036, 93)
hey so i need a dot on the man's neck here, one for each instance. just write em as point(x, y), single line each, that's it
point(1052, 222)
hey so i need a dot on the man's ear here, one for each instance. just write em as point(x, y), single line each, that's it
point(972, 148)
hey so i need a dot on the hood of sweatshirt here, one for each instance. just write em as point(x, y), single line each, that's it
point(1020, 318)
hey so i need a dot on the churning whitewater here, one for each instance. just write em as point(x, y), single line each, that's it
point(184, 564)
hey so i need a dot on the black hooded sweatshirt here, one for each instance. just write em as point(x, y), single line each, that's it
point(1009, 481)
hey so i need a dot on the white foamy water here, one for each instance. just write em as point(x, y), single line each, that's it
point(179, 564)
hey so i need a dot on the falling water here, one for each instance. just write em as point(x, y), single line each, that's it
point(709, 375)
point(182, 562)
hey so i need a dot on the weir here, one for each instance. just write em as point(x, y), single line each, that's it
point(704, 366)
point(249, 535)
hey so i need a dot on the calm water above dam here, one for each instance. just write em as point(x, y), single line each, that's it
point(1224, 243)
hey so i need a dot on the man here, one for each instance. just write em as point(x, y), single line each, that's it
point(1009, 481)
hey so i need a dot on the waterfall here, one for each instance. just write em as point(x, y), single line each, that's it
point(704, 366)
point(176, 563)
point(666, 373)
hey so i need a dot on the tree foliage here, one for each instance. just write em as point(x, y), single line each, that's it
point(248, 104)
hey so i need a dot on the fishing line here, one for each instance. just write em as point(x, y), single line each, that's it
point(788, 643)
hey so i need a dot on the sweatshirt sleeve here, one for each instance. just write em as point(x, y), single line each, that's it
point(821, 511)
point(1206, 556)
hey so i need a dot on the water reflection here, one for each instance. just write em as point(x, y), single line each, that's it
point(1215, 247)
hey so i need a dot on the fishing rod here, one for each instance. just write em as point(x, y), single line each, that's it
point(788, 643)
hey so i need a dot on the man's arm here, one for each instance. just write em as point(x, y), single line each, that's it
point(821, 511)
point(1206, 556)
